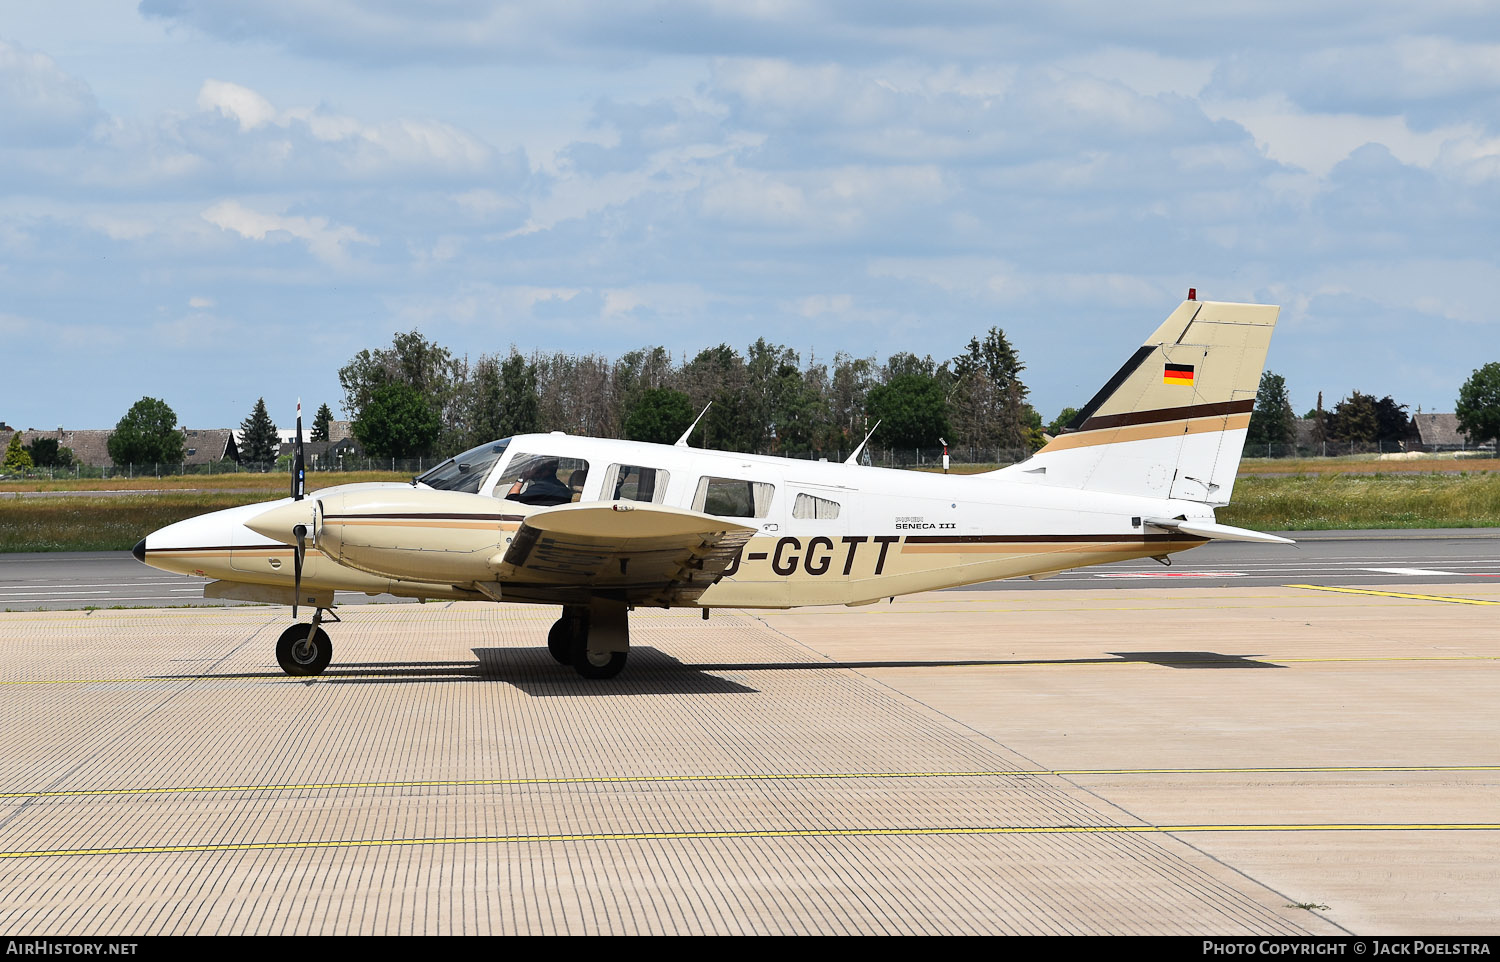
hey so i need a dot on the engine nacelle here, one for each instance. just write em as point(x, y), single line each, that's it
point(417, 534)
point(409, 534)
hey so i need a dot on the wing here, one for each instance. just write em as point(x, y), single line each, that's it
point(640, 554)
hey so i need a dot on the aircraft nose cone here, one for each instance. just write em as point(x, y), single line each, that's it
point(278, 522)
point(139, 550)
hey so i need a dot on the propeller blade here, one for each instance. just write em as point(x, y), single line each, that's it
point(301, 532)
point(298, 465)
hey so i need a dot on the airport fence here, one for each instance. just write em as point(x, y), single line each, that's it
point(921, 457)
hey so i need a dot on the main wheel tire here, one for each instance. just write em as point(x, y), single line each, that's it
point(596, 664)
point(299, 656)
point(560, 641)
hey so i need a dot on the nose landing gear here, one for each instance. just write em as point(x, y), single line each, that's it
point(305, 649)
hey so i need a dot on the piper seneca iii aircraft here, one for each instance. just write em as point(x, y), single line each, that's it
point(600, 526)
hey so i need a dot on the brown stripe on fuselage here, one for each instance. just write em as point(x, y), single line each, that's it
point(423, 516)
point(1024, 544)
point(1044, 538)
point(1102, 422)
point(1048, 547)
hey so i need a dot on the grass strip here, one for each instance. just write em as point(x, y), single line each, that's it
point(112, 523)
point(1329, 501)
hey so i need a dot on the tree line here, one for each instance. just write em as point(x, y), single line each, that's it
point(1362, 418)
point(415, 398)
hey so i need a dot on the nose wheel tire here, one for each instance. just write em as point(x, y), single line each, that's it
point(560, 641)
point(299, 655)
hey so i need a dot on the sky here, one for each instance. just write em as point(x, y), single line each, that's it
point(213, 201)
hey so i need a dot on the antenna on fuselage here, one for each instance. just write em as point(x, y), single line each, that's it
point(853, 458)
point(682, 441)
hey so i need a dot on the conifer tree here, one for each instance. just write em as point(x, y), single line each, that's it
point(321, 422)
point(258, 439)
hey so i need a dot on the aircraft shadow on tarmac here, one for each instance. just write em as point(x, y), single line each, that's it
point(532, 670)
point(1167, 659)
point(654, 672)
point(1194, 659)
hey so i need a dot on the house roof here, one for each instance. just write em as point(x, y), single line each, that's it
point(1438, 430)
point(204, 445)
point(90, 446)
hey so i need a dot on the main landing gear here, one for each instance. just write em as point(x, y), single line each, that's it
point(305, 649)
point(594, 639)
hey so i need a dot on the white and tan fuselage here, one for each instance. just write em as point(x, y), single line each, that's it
point(895, 532)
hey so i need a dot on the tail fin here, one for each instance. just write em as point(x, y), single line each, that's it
point(1171, 423)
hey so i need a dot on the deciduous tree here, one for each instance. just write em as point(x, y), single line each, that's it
point(659, 415)
point(147, 434)
point(518, 396)
point(1063, 419)
point(1478, 405)
point(912, 410)
point(17, 458)
point(426, 367)
point(48, 453)
point(397, 421)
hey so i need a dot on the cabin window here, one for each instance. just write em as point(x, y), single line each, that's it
point(815, 509)
point(632, 482)
point(733, 498)
point(544, 479)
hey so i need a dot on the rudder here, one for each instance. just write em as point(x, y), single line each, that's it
point(1173, 419)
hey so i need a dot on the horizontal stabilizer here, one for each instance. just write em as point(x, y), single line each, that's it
point(1216, 531)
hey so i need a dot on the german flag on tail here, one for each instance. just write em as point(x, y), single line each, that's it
point(1178, 374)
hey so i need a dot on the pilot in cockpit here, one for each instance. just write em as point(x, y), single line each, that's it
point(538, 484)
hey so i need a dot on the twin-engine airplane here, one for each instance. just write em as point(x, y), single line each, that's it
point(602, 526)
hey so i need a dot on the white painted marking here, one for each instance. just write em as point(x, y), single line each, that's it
point(1409, 571)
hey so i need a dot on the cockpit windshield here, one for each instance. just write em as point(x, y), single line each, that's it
point(465, 472)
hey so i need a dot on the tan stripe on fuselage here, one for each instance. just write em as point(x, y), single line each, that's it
point(1145, 432)
point(423, 523)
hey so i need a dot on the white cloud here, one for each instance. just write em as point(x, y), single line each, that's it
point(236, 102)
point(817, 305)
point(617, 302)
point(1317, 141)
point(40, 105)
point(325, 242)
point(755, 199)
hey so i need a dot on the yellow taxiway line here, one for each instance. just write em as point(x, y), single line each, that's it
point(1398, 594)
